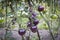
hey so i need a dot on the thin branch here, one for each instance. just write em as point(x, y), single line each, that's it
point(48, 26)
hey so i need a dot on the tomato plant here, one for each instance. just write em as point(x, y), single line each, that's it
point(29, 15)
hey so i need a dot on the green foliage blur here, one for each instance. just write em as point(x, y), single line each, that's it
point(21, 11)
point(10, 9)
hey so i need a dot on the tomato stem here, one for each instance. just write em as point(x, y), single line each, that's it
point(48, 26)
point(38, 35)
point(22, 38)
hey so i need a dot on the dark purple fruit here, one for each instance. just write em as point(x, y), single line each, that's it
point(33, 29)
point(34, 14)
point(29, 24)
point(33, 17)
point(40, 8)
point(35, 22)
point(21, 32)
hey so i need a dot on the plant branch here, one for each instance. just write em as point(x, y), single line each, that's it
point(6, 20)
point(38, 35)
point(48, 26)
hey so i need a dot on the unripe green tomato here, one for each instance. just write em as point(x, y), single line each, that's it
point(54, 16)
point(1, 20)
point(44, 12)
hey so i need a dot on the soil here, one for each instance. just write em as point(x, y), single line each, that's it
point(44, 34)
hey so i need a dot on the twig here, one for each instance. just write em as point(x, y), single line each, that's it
point(48, 26)
point(38, 35)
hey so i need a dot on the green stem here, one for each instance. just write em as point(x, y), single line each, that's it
point(20, 20)
point(38, 35)
point(22, 38)
point(29, 2)
point(28, 37)
point(48, 26)
point(58, 24)
point(2, 4)
point(6, 20)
